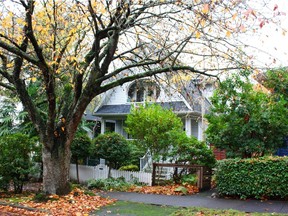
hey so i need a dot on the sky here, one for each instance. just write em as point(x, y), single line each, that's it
point(272, 39)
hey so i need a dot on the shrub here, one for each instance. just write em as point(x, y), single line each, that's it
point(192, 151)
point(256, 178)
point(137, 151)
point(16, 160)
point(190, 179)
point(118, 184)
point(112, 147)
point(4, 183)
point(80, 147)
point(129, 168)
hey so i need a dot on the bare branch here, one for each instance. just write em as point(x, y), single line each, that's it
point(151, 73)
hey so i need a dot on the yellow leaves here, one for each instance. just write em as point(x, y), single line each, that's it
point(202, 22)
point(228, 33)
point(33, 79)
point(102, 9)
point(149, 36)
point(197, 34)
point(72, 31)
point(20, 21)
point(205, 8)
point(9, 65)
point(7, 21)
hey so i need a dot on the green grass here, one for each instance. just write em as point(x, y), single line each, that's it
point(141, 209)
point(213, 212)
point(137, 209)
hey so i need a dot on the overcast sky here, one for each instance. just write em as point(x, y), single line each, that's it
point(272, 38)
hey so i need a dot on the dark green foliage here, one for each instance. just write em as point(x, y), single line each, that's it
point(245, 122)
point(80, 147)
point(277, 81)
point(129, 168)
point(118, 184)
point(189, 150)
point(112, 147)
point(42, 197)
point(16, 160)
point(137, 151)
point(256, 178)
point(152, 126)
point(7, 113)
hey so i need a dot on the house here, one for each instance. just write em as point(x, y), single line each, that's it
point(189, 102)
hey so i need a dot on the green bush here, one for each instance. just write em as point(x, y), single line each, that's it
point(137, 151)
point(4, 183)
point(259, 178)
point(112, 147)
point(190, 179)
point(190, 150)
point(16, 164)
point(118, 184)
point(129, 168)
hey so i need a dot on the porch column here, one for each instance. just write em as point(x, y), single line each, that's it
point(200, 131)
point(188, 126)
point(103, 126)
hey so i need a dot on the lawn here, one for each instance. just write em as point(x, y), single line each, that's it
point(141, 209)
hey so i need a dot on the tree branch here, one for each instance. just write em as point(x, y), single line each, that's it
point(11, 88)
point(19, 52)
point(151, 73)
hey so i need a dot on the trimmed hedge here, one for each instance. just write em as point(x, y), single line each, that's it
point(130, 167)
point(258, 178)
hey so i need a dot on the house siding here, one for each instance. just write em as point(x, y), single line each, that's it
point(119, 96)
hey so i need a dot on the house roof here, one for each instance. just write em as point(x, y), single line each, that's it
point(124, 109)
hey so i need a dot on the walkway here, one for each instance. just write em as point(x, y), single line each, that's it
point(203, 199)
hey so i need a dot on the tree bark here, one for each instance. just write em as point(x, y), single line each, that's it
point(56, 166)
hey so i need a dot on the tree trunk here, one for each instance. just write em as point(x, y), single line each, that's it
point(56, 166)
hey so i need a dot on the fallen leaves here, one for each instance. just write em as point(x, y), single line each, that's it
point(77, 203)
point(166, 190)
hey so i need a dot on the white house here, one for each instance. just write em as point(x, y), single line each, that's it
point(188, 102)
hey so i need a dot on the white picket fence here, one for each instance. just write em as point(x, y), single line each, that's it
point(101, 172)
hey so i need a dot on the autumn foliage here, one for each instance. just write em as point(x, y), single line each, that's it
point(175, 189)
point(75, 203)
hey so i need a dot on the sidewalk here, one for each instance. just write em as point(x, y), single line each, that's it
point(203, 199)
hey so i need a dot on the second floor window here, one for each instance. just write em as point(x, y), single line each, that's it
point(143, 90)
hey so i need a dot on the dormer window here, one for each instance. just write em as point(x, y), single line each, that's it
point(143, 90)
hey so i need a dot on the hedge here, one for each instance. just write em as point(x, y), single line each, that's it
point(259, 178)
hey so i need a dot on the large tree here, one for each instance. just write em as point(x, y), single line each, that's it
point(75, 50)
point(245, 122)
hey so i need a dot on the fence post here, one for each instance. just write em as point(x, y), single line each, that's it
point(153, 174)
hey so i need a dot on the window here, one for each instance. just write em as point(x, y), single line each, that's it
point(143, 90)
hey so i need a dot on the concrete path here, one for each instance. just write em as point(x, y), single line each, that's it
point(203, 199)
